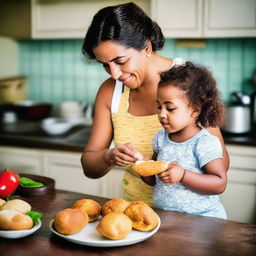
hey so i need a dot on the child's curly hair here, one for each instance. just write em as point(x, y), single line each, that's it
point(201, 91)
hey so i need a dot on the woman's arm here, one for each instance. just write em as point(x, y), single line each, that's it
point(217, 132)
point(97, 159)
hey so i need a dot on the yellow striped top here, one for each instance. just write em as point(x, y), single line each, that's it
point(138, 130)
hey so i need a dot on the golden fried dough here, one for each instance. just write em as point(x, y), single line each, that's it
point(142, 216)
point(150, 167)
point(14, 220)
point(70, 221)
point(17, 204)
point(2, 201)
point(114, 205)
point(115, 226)
point(91, 207)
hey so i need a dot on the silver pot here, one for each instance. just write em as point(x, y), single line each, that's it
point(237, 119)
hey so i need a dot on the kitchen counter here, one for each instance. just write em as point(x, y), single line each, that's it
point(29, 134)
point(248, 139)
point(179, 234)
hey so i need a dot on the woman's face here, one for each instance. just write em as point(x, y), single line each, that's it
point(127, 65)
point(175, 114)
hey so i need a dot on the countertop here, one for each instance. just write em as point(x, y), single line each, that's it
point(30, 135)
point(179, 234)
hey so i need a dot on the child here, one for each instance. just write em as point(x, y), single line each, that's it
point(188, 100)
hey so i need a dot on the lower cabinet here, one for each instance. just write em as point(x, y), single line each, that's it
point(239, 199)
point(21, 160)
point(63, 167)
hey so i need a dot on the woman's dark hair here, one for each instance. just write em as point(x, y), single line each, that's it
point(127, 24)
point(201, 90)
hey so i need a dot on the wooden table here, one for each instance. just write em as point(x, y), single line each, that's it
point(179, 234)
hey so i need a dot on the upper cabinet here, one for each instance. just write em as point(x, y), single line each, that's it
point(205, 18)
point(179, 18)
point(49, 19)
point(67, 19)
point(230, 18)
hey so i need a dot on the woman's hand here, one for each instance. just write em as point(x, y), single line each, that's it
point(173, 174)
point(123, 154)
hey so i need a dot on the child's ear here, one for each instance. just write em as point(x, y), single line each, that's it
point(196, 112)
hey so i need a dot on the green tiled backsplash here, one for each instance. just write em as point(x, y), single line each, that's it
point(58, 71)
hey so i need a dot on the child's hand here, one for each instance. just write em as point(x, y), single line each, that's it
point(173, 174)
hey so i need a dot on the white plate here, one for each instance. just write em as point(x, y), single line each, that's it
point(19, 233)
point(91, 237)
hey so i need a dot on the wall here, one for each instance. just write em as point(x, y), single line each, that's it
point(57, 70)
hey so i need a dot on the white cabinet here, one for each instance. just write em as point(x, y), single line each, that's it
point(205, 18)
point(42, 19)
point(112, 183)
point(64, 167)
point(67, 19)
point(66, 170)
point(239, 199)
point(21, 160)
point(230, 18)
point(179, 18)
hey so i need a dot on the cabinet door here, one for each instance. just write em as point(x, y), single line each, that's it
point(239, 199)
point(178, 18)
point(67, 171)
point(68, 19)
point(21, 160)
point(112, 183)
point(230, 18)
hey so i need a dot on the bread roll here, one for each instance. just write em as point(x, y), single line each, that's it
point(142, 216)
point(18, 205)
point(70, 221)
point(150, 167)
point(2, 201)
point(115, 226)
point(14, 220)
point(114, 205)
point(91, 207)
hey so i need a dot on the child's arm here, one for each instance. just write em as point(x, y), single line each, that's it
point(213, 181)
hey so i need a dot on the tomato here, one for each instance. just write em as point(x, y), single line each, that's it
point(9, 181)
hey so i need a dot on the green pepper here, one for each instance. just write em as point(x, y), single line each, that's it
point(29, 183)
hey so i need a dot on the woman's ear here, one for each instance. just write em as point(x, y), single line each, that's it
point(148, 49)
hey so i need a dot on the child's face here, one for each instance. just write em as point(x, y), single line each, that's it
point(175, 114)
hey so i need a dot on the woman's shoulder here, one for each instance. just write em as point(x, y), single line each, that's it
point(105, 93)
point(108, 85)
point(106, 89)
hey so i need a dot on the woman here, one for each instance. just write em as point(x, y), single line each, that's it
point(125, 40)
